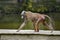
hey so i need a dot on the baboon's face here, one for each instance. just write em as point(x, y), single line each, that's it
point(22, 14)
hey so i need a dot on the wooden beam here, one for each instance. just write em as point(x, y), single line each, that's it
point(41, 32)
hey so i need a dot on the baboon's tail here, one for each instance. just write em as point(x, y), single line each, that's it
point(51, 24)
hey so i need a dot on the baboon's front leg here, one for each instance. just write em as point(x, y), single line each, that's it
point(22, 25)
point(49, 27)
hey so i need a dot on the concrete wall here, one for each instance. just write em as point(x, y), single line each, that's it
point(29, 35)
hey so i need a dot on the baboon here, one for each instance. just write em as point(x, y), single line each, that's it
point(36, 18)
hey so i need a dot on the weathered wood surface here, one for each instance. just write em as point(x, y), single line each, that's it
point(13, 31)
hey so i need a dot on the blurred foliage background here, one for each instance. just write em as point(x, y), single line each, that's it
point(10, 12)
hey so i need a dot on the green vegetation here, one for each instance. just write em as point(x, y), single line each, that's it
point(15, 25)
point(10, 12)
point(9, 25)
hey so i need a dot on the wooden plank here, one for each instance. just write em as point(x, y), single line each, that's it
point(43, 32)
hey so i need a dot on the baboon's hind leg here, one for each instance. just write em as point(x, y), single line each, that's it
point(37, 25)
point(49, 27)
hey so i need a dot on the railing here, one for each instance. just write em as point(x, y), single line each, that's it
point(8, 34)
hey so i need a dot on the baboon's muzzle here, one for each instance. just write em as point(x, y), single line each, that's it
point(22, 17)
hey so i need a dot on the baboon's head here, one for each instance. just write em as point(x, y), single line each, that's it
point(22, 14)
